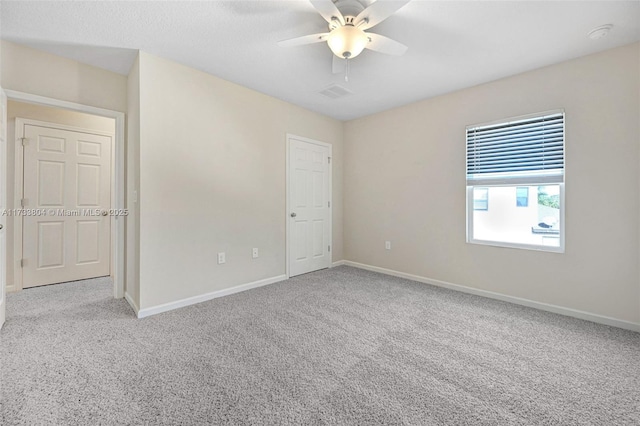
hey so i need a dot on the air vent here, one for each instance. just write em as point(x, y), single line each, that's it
point(334, 92)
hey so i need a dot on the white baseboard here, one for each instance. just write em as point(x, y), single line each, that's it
point(601, 319)
point(338, 263)
point(207, 296)
point(133, 305)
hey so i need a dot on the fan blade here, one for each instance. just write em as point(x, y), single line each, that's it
point(300, 41)
point(338, 65)
point(383, 44)
point(328, 10)
point(378, 12)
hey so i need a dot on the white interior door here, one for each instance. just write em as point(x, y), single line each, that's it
point(309, 207)
point(3, 205)
point(67, 182)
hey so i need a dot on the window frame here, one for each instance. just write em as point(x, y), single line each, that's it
point(519, 181)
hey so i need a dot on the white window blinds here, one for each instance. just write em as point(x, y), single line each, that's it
point(528, 150)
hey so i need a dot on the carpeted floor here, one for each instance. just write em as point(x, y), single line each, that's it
point(341, 346)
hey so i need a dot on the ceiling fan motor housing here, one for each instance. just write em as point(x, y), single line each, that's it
point(349, 9)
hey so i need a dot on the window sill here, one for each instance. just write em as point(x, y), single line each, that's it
point(531, 247)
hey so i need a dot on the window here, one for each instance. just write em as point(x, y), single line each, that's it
point(515, 182)
point(481, 198)
point(522, 196)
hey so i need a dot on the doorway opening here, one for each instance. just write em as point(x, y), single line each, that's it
point(66, 168)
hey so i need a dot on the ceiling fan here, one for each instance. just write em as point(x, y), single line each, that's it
point(348, 20)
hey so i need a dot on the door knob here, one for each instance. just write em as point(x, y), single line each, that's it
point(1, 226)
point(293, 215)
point(104, 212)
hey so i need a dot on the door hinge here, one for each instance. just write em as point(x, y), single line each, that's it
point(24, 202)
point(23, 141)
point(329, 248)
point(329, 158)
point(328, 203)
point(23, 263)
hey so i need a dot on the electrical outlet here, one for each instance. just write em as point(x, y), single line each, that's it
point(255, 253)
point(387, 245)
point(222, 258)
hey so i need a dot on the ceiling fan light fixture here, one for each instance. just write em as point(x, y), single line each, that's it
point(347, 41)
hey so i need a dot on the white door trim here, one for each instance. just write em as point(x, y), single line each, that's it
point(117, 180)
point(288, 205)
point(3, 204)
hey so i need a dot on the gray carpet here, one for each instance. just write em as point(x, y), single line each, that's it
point(342, 346)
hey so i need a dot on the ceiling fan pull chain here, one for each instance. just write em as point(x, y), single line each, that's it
point(346, 73)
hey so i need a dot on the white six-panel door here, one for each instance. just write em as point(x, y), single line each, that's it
point(67, 181)
point(309, 207)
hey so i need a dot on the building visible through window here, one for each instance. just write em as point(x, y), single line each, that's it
point(522, 196)
point(481, 198)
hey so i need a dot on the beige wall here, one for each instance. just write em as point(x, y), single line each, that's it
point(132, 282)
point(405, 182)
point(39, 73)
point(50, 115)
point(212, 179)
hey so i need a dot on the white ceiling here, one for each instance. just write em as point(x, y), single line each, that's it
point(452, 44)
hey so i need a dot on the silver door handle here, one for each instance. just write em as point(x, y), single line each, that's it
point(104, 212)
point(293, 215)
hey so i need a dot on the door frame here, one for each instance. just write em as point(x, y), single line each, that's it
point(117, 181)
point(3, 204)
point(288, 201)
